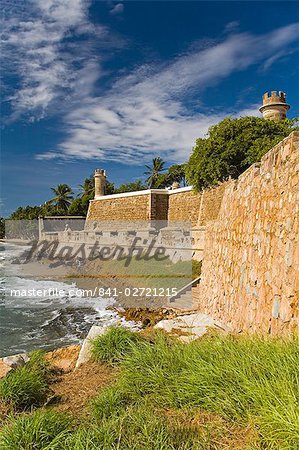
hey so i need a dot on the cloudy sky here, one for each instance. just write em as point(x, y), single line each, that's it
point(102, 84)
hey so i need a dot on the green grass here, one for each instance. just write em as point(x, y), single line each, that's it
point(39, 363)
point(112, 346)
point(138, 427)
point(243, 380)
point(39, 431)
point(111, 402)
point(220, 392)
point(26, 386)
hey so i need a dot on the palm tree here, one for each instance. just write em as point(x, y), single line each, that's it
point(153, 171)
point(87, 188)
point(63, 197)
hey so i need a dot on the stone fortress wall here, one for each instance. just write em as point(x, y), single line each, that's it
point(120, 207)
point(246, 232)
point(183, 204)
point(250, 273)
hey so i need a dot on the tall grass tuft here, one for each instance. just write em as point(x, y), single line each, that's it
point(39, 431)
point(39, 363)
point(112, 346)
point(26, 386)
point(111, 402)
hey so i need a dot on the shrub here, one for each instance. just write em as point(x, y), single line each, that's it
point(40, 430)
point(112, 346)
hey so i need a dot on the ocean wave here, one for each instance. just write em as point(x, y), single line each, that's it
point(47, 322)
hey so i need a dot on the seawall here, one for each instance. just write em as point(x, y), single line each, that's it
point(250, 277)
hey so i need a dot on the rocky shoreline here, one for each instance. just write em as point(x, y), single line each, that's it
point(187, 327)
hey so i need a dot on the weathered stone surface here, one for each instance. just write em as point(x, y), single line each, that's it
point(4, 369)
point(184, 206)
point(211, 204)
point(190, 326)
point(85, 353)
point(135, 207)
point(12, 362)
point(64, 358)
point(175, 206)
point(16, 361)
point(250, 273)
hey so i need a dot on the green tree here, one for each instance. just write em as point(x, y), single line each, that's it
point(63, 197)
point(131, 187)
point(26, 213)
point(79, 206)
point(76, 208)
point(49, 209)
point(154, 171)
point(87, 188)
point(231, 147)
point(175, 173)
point(109, 188)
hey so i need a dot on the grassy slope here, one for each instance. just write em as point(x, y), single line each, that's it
point(216, 393)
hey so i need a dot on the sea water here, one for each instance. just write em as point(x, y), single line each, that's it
point(27, 323)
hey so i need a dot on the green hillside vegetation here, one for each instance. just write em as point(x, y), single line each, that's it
point(219, 392)
point(231, 147)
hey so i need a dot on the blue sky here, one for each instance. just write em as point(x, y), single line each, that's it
point(102, 84)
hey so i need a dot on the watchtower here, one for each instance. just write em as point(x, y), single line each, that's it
point(274, 106)
point(99, 182)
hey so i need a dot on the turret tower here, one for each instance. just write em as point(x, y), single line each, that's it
point(99, 183)
point(274, 106)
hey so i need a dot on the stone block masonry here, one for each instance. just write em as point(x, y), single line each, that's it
point(250, 273)
point(211, 204)
point(175, 206)
point(120, 207)
point(183, 204)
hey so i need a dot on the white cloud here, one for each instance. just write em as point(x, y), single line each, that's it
point(144, 113)
point(35, 48)
point(232, 26)
point(117, 9)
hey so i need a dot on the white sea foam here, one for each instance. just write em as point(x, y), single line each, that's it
point(46, 321)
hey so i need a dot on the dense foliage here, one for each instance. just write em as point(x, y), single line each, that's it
point(137, 185)
point(231, 147)
point(63, 197)
point(175, 173)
